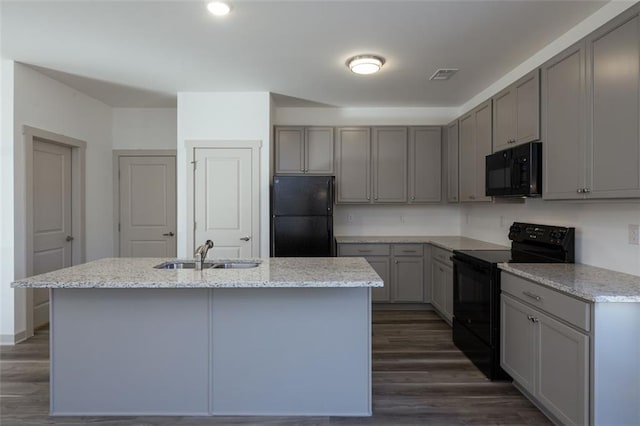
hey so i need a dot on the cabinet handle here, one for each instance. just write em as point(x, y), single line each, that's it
point(169, 234)
point(441, 270)
point(396, 262)
point(580, 190)
point(368, 198)
point(413, 197)
point(586, 190)
point(375, 198)
point(531, 295)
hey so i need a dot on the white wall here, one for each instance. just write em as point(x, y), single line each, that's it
point(601, 227)
point(236, 116)
point(44, 103)
point(7, 320)
point(145, 128)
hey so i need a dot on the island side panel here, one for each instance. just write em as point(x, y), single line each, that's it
point(129, 351)
point(294, 351)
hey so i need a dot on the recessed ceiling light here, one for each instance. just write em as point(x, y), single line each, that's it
point(219, 8)
point(365, 64)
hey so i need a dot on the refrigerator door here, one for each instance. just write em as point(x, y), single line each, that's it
point(303, 236)
point(302, 196)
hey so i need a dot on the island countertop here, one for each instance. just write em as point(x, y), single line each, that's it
point(284, 272)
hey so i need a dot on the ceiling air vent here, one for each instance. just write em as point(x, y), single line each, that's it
point(443, 74)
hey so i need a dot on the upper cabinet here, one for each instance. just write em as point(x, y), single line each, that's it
point(590, 114)
point(389, 159)
point(425, 164)
point(516, 113)
point(452, 161)
point(304, 150)
point(353, 165)
point(475, 130)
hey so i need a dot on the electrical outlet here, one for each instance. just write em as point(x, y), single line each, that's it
point(634, 237)
point(350, 218)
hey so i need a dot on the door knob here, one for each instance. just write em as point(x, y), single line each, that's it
point(170, 234)
point(69, 238)
point(247, 238)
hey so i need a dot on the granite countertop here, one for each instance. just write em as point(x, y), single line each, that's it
point(445, 242)
point(586, 282)
point(272, 272)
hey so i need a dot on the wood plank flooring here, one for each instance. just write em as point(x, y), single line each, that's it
point(419, 378)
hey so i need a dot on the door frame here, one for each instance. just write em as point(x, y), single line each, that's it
point(78, 182)
point(255, 147)
point(117, 153)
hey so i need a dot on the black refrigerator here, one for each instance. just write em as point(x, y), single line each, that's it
point(302, 216)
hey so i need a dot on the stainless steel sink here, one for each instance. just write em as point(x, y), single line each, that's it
point(235, 265)
point(178, 264)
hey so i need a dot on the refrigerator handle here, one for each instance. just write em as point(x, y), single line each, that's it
point(330, 188)
point(331, 238)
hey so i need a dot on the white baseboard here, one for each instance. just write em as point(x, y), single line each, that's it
point(12, 339)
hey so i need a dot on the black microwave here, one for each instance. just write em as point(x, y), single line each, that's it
point(515, 172)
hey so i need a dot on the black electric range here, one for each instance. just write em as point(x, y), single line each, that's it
point(476, 288)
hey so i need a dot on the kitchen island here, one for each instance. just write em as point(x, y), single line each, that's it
point(291, 336)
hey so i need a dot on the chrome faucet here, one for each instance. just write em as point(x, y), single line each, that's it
point(201, 253)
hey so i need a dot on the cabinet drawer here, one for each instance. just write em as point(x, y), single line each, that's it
point(441, 255)
point(408, 249)
point(363, 250)
point(572, 310)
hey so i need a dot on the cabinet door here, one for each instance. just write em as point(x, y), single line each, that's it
point(289, 150)
point(425, 164)
point(563, 124)
point(353, 161)
point(527, 108)
point(437, 286)
point(467, 158)
point(562, 354)
point(613, 87)
point(482, 141)
point(390, 164)
point(409, 279)
point(381, 266)
point(452, 162)
point(447, 285)
point(516, 342)
point(319, 150)
point(504, 118)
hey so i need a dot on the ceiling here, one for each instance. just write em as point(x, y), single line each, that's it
point(141, 53)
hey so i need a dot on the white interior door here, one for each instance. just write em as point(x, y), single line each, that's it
point(147, 206)
point(52, 237)
point(226, 203)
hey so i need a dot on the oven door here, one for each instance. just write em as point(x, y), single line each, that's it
point(498, 174)
point(472, 298)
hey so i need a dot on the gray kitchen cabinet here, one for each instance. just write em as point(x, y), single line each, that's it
point(564, 128)
point(408, 273)
point(442, 283)
point(590, 110)
point(516, 113)
point(304, 150)
point(379, 257)
point(389, 159)
point(452, 162)
point(475, 139)
point(547, 357)
point(353, 165)
point(425, 164)
point(613, 109)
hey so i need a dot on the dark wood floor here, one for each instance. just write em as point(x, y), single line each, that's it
point(419, 378)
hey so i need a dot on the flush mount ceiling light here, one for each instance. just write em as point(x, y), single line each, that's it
point(219, 8)
point(365, 64)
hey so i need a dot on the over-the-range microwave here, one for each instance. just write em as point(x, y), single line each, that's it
point(515, 172)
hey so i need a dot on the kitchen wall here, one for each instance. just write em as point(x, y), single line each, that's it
point(145, 128)
point(601, 227)
point(44, 103)
point(233, 116)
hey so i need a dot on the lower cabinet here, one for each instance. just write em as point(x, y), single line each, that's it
point(401, 267)
point(546, 357)
point(442, 283)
